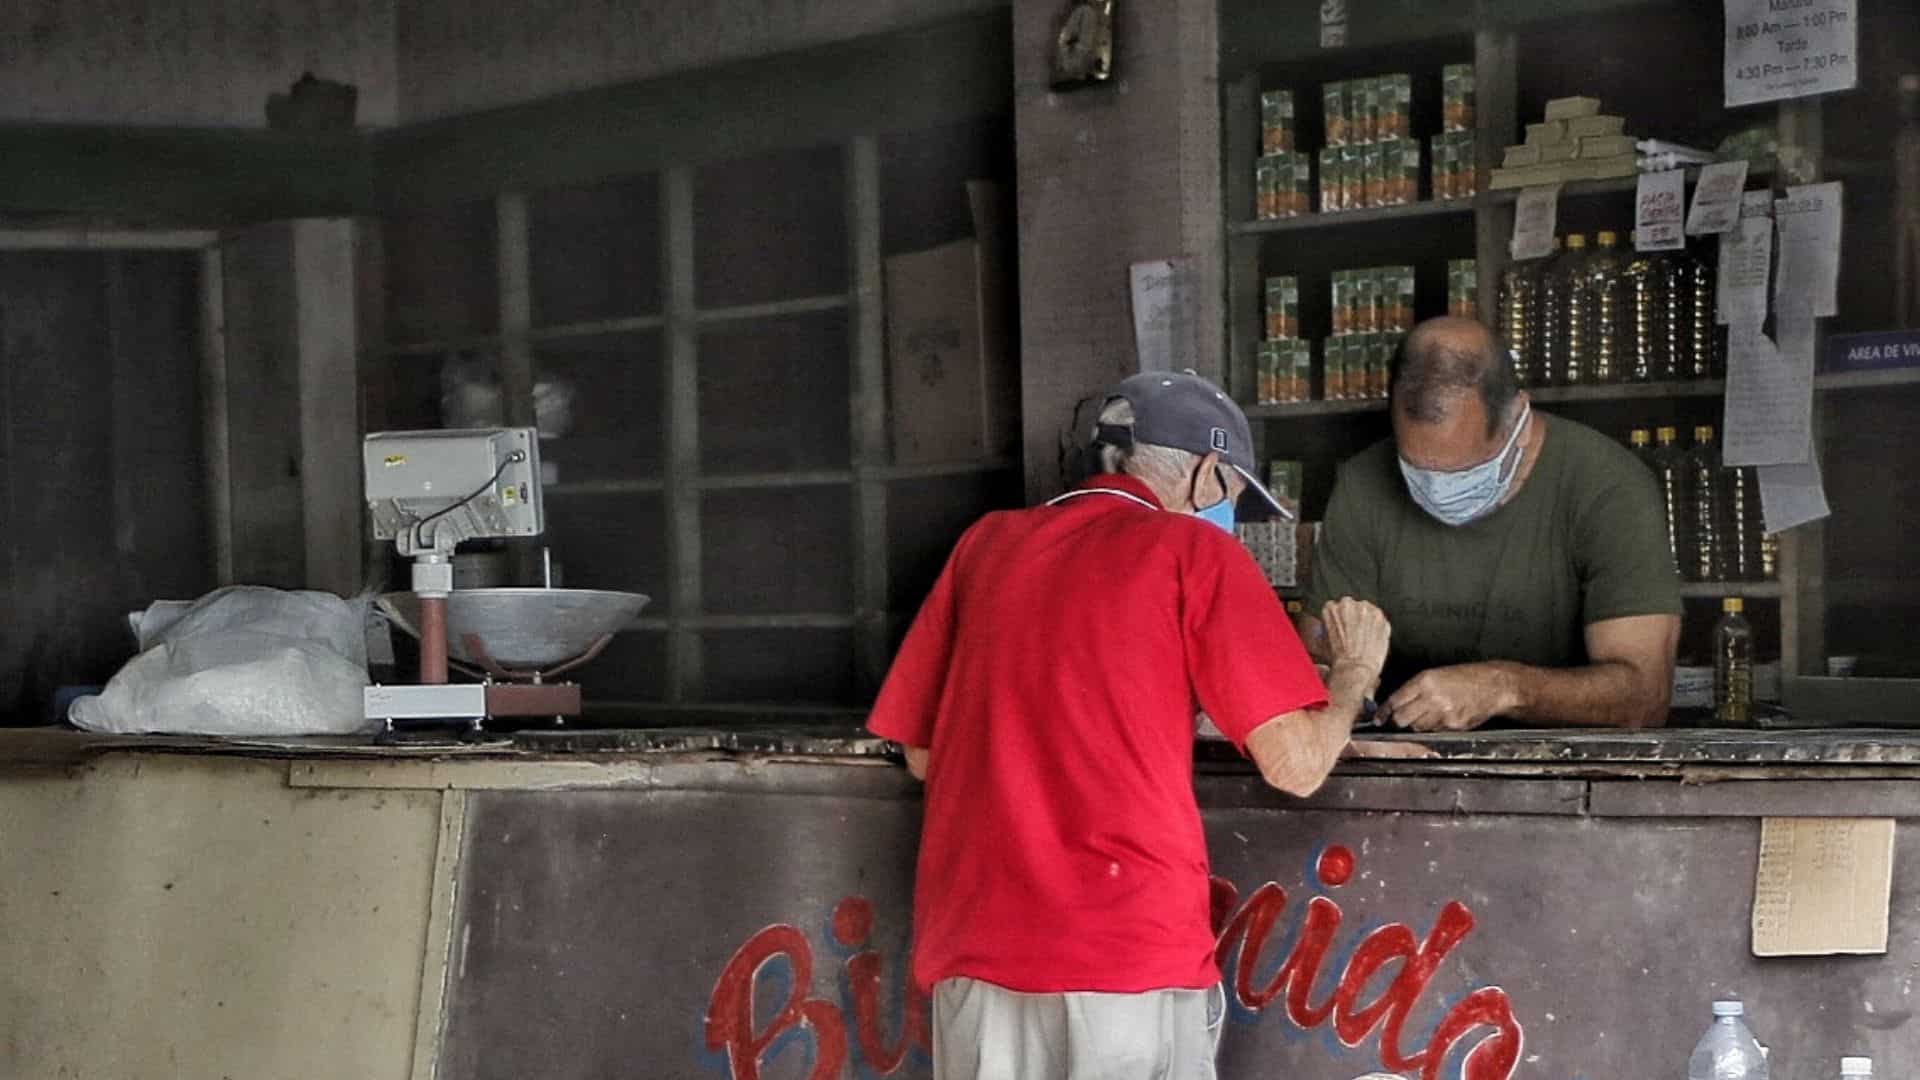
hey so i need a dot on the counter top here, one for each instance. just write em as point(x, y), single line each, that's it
point(1532, 752)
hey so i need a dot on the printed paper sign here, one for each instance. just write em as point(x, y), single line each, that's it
point(1746, 260)
point(1716, 198)
point(1660, 211)
point(1779, 49)
point(1534, 219)
point(1809, 224)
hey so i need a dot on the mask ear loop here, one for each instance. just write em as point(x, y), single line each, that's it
point(1193, 487)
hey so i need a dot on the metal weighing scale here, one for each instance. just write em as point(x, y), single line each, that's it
point(430, 491)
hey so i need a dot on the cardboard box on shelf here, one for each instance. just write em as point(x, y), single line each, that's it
point(1554, 152)
point(1611, 168)
point(1553, 131)
point(1589, 126)
point(1569, 108)
point(951, 381)
point(1605, 146)
point(1521, 156)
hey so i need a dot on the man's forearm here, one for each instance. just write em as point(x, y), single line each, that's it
point(1296, 752)
point(1609, 694)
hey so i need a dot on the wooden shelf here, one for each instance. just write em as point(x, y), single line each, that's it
point(1714, 590)
point(1315, 408)
point(1339, 218)
point(1628, 391)
point(1867, 380)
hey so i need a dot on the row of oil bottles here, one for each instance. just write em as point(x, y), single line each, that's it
point(1597, 314)
point(1714, 524)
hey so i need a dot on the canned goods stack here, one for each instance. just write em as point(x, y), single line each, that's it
point(1455, 171)
point(1372, 310)
point(1283, 177)
point(1370, 158)
point(1285, 369)
point(1463, 288)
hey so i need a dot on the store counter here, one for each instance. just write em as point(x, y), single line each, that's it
point(697, 902)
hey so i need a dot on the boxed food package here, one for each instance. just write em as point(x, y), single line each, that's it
point(1276, 122)
point(1393, 108)
point(1457, 97)
point(1283, 480)
point(1283, 307)
point(1334, 104)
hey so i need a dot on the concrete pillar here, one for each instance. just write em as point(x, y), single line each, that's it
point(1109, 176)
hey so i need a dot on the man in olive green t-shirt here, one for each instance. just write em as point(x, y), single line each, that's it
point(1521, 558)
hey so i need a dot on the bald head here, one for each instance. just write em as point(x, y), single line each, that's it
point(1449, 364)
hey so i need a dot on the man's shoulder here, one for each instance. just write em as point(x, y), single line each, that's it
point(1592, 461)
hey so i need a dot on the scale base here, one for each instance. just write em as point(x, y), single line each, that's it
point(471, 703)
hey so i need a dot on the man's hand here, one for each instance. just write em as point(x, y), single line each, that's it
point(1458, 698)
point(1357, 637)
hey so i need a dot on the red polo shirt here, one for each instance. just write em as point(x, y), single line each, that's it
point(1054, 672)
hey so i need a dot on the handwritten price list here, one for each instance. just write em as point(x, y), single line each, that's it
point(1790, 48)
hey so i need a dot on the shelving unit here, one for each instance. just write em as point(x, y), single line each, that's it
point(1431, 232)
point(676, 518)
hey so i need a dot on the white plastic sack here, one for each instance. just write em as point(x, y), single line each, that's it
point(240, 661)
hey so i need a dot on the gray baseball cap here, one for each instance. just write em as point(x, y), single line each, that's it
point(1186, 412)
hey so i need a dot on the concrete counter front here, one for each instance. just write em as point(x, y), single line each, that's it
point(736, 905)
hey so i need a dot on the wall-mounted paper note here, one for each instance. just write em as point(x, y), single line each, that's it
point(1791, 495)
point(1822, 886)
point(1165, 326)
point(1776, 49)
point(1746, 259)
point(1660, 209)
point(1769, 406)
point(1809, 225)
point(1716, 198)
point(1534, 218)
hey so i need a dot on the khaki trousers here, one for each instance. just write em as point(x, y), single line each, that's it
point(985, 1032)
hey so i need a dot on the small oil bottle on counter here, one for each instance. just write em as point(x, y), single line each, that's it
point(1732, 666)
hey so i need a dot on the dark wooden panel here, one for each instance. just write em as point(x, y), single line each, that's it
point(442, 272)
point(772, 552)
point(774, 395)
point(612, 542)
point(784, 666)
point(210, 175)
point(893, 82)
point(770, 227)
point(263, 393)
point(595, 251)
point(617, 388)
point(101, 461)
point(923, 175)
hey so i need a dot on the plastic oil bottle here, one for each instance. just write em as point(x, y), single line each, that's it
point(1701, 341)
point(1706, 490)
point(1732, 666)
point(1645, 328)
point(1540, 316)
point(1603, 285)
point(1566, 317)
point(1519, 305)
point(1670, 468)
point(1740, 524)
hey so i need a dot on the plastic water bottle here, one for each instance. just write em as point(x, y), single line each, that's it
point(1728, 1051)
point(1856, 1068)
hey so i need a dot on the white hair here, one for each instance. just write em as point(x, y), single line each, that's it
point(1162, 468)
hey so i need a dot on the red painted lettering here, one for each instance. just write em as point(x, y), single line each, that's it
point(730, 1008)
point(852, 923)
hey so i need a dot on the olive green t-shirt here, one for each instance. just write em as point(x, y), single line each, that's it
point(1583, 540)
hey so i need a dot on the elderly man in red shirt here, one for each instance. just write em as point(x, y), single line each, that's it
point(1047, 694)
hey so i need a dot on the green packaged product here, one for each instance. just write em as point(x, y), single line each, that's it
point(1276, 121)
point(1334, 101)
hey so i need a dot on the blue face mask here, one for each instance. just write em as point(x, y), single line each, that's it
point(1467, 495)
point(1220, 513)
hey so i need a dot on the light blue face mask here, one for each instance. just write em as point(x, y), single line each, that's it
point(1467, 495)
point(1220, 513)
